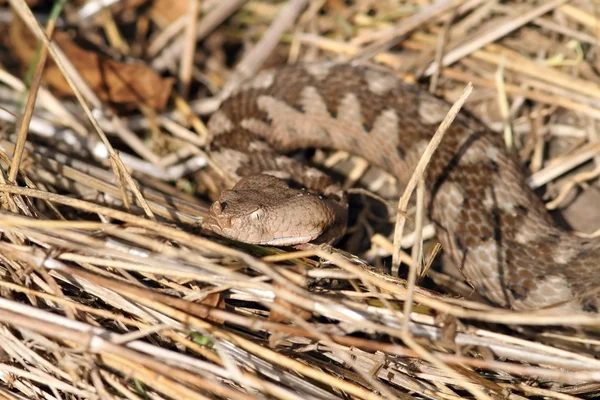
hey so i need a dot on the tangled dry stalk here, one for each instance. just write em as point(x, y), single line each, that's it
point(110, 290)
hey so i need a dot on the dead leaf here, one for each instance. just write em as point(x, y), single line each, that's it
point(117, 83)
point(215, 300)
point(167, 11)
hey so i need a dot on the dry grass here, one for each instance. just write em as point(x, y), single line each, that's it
point(110, 290)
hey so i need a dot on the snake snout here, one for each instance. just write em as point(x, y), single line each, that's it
point(217, 220)
point(217, 207)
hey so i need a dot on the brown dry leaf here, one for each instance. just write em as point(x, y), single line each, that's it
point(215, 300)
point(167, 11)
point(117, 83)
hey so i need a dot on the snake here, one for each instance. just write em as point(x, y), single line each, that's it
point(492, 226)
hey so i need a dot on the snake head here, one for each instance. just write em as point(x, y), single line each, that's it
point(262, 209)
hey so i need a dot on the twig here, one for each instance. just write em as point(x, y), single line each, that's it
point(69, 74)
point(255, 57)
point(388, 38)
point(35, 84)
point(497, 32)
point(187, 56)
point(216, 16)
point(418, 174)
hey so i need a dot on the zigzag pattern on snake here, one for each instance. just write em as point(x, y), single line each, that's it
point(494, 228)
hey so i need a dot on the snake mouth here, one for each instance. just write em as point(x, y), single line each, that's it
point(288, 240)
point(220, 226)
point(223, 226)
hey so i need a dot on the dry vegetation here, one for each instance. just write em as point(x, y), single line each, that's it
point(110, 290)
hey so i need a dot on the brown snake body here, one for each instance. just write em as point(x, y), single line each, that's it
point(494, 228)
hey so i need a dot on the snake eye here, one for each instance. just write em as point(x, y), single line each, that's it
point(257, 215)
point(223, 205)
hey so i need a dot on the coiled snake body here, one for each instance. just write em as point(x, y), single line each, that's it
point(491, 224)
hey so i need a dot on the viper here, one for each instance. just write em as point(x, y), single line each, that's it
point(490, 223)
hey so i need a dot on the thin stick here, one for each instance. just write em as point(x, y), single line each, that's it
point(391, 36)
point(69, 73)
point(257, 55)
point(504, 106)
point(529, 94)
point(439, 52)
point(187, 57)
point(494, 34)
point(417, 257)
point(35, 84)
point(209, 22)
point(418, 173)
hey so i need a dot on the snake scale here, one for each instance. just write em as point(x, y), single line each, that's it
point(491, 224)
